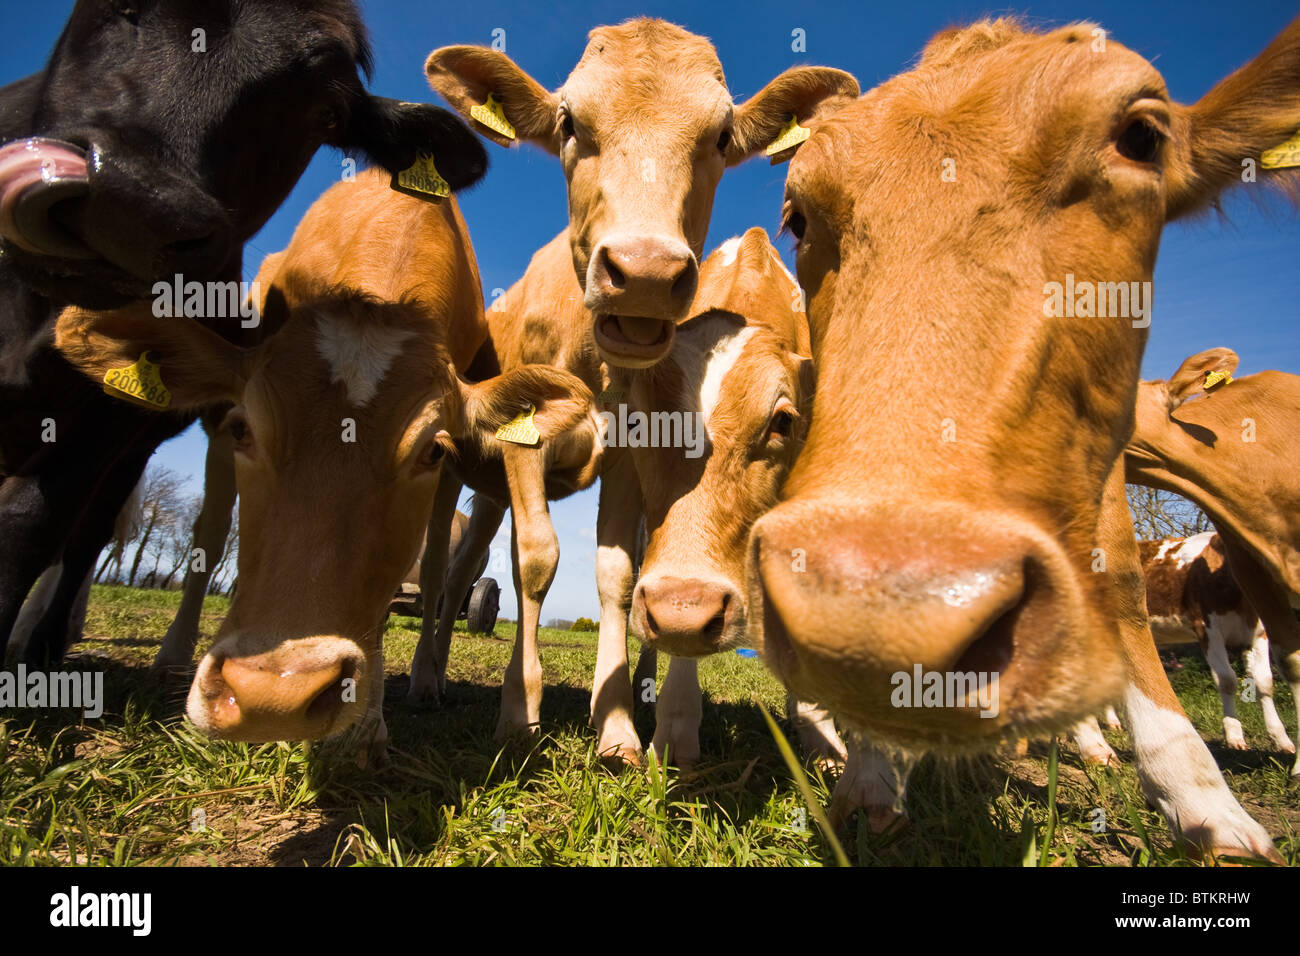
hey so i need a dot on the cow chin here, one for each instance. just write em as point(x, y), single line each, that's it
point(923, 631)
point(301, 689)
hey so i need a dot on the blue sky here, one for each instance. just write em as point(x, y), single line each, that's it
point(1219, 281)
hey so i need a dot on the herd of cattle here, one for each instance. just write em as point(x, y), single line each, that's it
point(865, 506)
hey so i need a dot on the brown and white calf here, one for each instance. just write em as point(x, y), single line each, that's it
point(644, 127)
point(1231, 446)
point(341, 423)
point(1193, 596)
point(958, 508)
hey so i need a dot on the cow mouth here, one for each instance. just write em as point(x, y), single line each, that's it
point(36, 175)
point(631, 341)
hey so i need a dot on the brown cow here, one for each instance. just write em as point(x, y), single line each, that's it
point(644, 127)
point(342, 420)
point(1232, 448)
point(959, 505)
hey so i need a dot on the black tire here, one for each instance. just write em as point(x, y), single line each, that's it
point(484, 601)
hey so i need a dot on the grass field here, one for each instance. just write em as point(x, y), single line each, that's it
point(138, 786)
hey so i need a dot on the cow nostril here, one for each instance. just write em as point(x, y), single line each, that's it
point(325, 705)
point(613, 273)
point(685, 284)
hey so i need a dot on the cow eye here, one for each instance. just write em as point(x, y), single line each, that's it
point(724, 141)
point(237, 426)
point(794, 223)
point(567, 129)
point(432, 454)
point(1140, 141)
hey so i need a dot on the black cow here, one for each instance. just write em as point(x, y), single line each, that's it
point(160, 136)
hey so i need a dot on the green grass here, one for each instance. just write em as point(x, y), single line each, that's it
point(140, 787)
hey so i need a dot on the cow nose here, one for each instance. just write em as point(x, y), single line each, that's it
point(684, 616)
point(853, 606)
point(649, 277)
point(300, 690)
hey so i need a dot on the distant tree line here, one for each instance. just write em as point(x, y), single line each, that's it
point(155, 550)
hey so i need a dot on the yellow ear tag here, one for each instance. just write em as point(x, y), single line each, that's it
point(1214, 379)
point(491, 115)
point(140, 383)
point(1284, 156)
point(792, 134)
point(421, 180)
point(521, 429)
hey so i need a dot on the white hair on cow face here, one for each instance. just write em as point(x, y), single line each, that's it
point(359, 354)
point(705, 351)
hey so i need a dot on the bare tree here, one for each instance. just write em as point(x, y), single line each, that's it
point(180, 536)
point(1162, 514)
point(229, 558)
point(159, 507)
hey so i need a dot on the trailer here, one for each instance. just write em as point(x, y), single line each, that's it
point(481, 603)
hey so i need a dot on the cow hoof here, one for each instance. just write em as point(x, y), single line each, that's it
point(619, 759)
point(1285, 746)
point(1108, 760)
point(1238, 745)
point(424, 698)
point(1232, 855)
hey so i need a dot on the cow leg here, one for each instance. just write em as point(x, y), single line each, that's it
point(372, 735)
point(678, 711)
point(484, 521)
point(427, 670)
point(49, 640)
point(34, 608)
point(1092, 745)
point(211, 528)
point(1112, 719)
point(536, 553)
point(1278, 610)
point(618, 522)
point(816, 730)
point(1225, 679)
point(644, 677)
point(1175, 768)
point(1260, 670)
point(873, 781)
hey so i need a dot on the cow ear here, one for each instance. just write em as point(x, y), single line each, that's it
point(167, 364)
point(809, 94)
point(1233, 133)
point(560, 401)
point(465, 76)
point(394, 134)
point(1191, 377)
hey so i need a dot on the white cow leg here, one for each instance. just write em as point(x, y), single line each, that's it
point(872, 781)
point(679, 709)
point(617, 523)
point(536, 554)
point(210, 531)
point(427, 669)
point(1260, 671)
point(1181, 779)
point(817, 734)
point(1290, 667)
point(1092, 745)
point(372, 730)
point(1112, 719)
point(1225, 679)
point(33, 609)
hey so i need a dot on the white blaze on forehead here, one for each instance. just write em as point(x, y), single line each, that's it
point(705, 353)
point(729, 249)
point(359, 355)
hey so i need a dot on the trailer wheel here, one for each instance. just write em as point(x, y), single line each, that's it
point(484, 601)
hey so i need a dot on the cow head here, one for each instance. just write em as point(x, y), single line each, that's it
point(976, 238)
point(162, 135)
point(1230, 445)
point(644, 126)
point(341, 423)
point(738, 387)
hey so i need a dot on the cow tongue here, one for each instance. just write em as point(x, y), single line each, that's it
point(638, 330)
point(36, 163)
